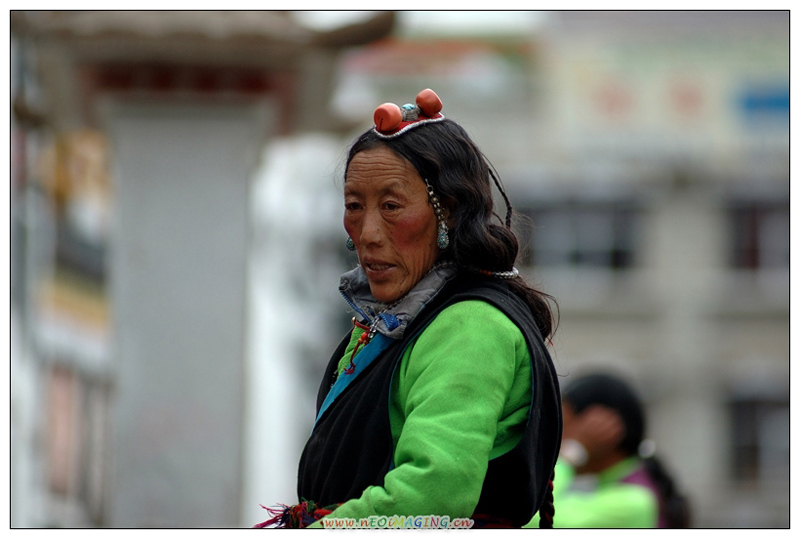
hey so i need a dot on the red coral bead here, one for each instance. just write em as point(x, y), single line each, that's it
point(387, 117)
point(428, 102)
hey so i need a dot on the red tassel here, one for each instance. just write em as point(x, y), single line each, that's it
point(277, 515)
point(301, 515)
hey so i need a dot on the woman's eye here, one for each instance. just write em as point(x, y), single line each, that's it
point(352, 206)
point(391, 206)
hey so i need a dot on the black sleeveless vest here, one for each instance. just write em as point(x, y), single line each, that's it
point(351, 446)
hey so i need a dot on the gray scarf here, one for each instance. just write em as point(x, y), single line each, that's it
point(392, 320)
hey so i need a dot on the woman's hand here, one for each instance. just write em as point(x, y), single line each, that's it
point(598, 429)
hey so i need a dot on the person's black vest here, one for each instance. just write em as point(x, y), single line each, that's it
point(351, 446)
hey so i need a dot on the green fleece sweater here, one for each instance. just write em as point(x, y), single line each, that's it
point(460, 397)
point(611, 504)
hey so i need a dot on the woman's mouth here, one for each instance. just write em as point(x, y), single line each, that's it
point(377, 270)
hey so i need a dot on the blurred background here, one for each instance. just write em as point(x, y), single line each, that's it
point(177, 240)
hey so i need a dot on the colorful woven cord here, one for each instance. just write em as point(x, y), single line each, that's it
point(301, 515)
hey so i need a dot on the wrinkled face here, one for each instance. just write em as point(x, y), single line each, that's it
point(391, 222)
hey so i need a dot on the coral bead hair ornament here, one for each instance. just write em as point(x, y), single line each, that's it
point(392, 121)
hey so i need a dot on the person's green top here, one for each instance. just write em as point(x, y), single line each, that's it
point(610, 504)
point(460, 397)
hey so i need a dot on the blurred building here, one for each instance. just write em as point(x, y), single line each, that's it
point(664, 234)
point(136, 137)
point(162, 307)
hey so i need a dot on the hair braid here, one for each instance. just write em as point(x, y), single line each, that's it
point(676, 505)
point(548, 509)
point(509, 209)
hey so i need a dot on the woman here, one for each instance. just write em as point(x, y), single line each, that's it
point(443, 399)
point(603, 436)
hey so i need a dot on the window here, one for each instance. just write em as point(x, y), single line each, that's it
point(760, 452)
point(583, 235)
point(760, 231)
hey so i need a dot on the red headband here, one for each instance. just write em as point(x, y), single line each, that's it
point(392, 121)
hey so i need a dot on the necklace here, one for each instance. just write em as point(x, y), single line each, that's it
point(366, 336)
point(514, 272)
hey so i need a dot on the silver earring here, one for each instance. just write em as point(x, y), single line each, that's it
point(442, 238)
point(350, 244)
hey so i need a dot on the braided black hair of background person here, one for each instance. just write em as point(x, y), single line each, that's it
point(676, 505)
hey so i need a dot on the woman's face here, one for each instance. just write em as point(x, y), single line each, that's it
point(389, 218)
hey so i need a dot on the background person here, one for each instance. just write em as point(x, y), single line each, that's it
point(604, 427)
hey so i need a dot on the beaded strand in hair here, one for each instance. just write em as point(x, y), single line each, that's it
point(548, 509)
point(509, 209)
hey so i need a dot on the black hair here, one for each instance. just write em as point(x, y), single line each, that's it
point(547, 510)
point(676, 504)
point(617, 394)
point(443, 154)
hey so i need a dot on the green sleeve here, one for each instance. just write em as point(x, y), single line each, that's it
point(460, 397)
point(611, 505)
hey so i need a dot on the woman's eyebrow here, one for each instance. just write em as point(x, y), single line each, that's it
point(392, 187)
point(399, 187)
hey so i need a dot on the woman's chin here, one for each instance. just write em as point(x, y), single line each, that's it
point(384, 292)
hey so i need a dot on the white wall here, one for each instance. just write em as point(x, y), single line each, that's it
point(178, 277)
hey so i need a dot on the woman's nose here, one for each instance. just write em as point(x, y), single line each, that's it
point(372, 228)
